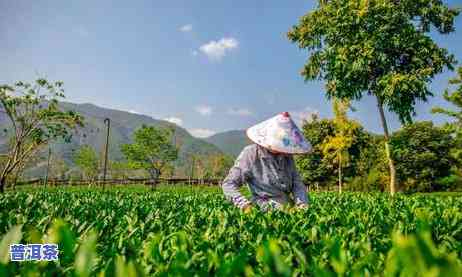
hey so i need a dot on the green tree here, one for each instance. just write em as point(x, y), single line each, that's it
point(424, 152)
point(455, 98)
point(87, 161)
point(378, 47)
point(168, 171)
point(336, 146)
point(119, 169)
point(200, 169)
point(370, 171)
point(314, 168)
point(35, 119)
point(58, 168)
point(206, 166)
point(17, 174)
point(219, 164)
point(194, 160)
point(319, 167)
point(151, 150)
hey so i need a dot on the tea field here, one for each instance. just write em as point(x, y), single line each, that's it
point(185, 231)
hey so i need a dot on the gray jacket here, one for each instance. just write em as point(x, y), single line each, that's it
point(272, 179)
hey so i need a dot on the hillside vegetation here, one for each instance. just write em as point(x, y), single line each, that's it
point(123, 124)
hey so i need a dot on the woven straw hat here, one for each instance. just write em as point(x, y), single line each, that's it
point(280, 134)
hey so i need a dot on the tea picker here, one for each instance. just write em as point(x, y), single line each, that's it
point(268, 167)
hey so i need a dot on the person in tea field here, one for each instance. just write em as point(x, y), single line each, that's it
point(268, 167)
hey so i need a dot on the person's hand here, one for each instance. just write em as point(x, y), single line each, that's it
point(247, 208)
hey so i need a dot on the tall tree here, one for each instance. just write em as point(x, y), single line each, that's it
point(87, 161)
point(337, 145)
point(34, 120)
point(378, 47)
point(151, 150)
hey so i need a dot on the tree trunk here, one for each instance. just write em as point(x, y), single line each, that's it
point(391, 163)
point(340, 172)
point(2, 184)
point(154, 176)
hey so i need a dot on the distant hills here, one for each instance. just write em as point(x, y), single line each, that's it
point(123, 124)
point(230, 142)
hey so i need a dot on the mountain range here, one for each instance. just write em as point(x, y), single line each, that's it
point(230, 142)
point(123, 124)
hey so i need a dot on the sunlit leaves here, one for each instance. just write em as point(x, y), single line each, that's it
point(85, 258)
point(184, 232)
point(380, 47)
point(35, 119)
point(87, 161)
point(13, 236)
point(151, 150)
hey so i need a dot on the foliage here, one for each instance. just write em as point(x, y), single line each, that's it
point(87, 161)
point(452, 182)
point(124, 124)
point(455, 98)
point(210, 166)
point(58, 168)
point(183, 232)
point(168, 171)
point(119, 169)
point(419, 251)
point(373, 180)
point(35, 119)
point(317, 167)
point(314, 168)
point(424, 152)
point(378, 47)
point(336, 147)
point(371, 172)
point(151, 150)
point(219, 165)
point(197, 166)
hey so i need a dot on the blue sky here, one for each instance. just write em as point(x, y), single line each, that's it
point(209, 66)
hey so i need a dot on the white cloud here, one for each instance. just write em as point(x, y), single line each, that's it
point(201, 133)
point(216, 50)
point(301, 115)
point(175, 120)
point(239, 111)
point(204, 110)
point(186, 28)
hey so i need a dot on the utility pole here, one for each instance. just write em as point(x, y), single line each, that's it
point(107, 121)
point(193, 159)
point(48, 166)
point(174, 145)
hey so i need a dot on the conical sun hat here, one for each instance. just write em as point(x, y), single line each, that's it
point(281, 134)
